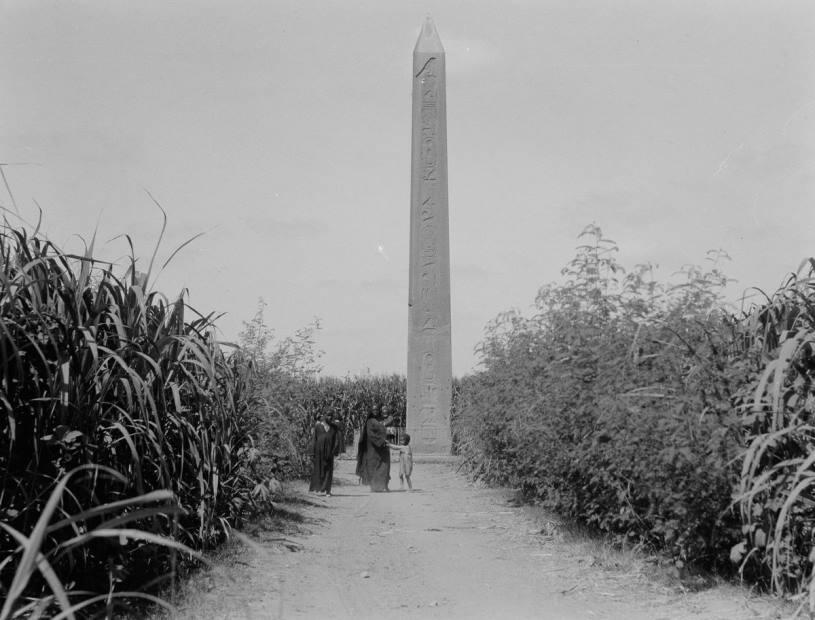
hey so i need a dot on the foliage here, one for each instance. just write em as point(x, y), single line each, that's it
point(36, 555)
point(275, 373)
point(98, 369)
point(291, 395)
point(612, 403)
point(776, 493)
point(351, 399)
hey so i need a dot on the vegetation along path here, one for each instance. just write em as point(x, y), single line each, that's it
point(449, 549)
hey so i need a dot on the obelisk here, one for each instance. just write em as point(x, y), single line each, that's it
point(429, 372)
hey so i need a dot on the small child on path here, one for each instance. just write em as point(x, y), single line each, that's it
point(405, 461)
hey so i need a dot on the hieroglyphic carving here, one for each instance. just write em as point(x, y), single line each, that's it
point(429, 283)
point(428, 245)
point(429, 431)
point(428, 378)
point(429, 372)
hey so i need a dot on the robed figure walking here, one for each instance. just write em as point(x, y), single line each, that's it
point(324, 448)
point(373, 454)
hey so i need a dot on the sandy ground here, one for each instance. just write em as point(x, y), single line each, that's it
point(449, 549)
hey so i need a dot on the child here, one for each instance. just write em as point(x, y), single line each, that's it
point(405, 461)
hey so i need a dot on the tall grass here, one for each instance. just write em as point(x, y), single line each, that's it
point(351, 399)
point(99, 369)
point(776, 494)
point(36, 554)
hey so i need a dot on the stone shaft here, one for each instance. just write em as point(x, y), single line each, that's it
point(429, 371)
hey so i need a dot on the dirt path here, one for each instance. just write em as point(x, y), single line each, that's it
point(447, 550)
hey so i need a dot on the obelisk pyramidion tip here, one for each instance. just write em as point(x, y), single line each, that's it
point(429, 41)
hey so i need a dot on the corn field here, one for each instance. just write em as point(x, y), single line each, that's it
point(132, 441)
point(291, 395)
point(351, 399)
point(293, 409)
point(125, 435)
point(776, 492)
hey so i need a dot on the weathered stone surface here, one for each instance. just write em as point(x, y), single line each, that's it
point(429, 372)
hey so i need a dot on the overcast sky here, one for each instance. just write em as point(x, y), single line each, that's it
point(281, 129)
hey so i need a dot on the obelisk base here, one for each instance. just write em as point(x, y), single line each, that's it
point(429, 398)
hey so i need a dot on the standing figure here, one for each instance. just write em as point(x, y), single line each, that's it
point(374, 456)
point(331, 449)
point(322, 472)
point(362, 445)
point(405, 461)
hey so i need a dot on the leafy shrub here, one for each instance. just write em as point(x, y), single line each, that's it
point(613, 403)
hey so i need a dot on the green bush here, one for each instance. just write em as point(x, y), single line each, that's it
point(613, 404)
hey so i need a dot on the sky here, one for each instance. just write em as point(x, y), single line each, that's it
point(281, 130)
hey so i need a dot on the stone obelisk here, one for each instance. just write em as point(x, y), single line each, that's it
point(429, 371)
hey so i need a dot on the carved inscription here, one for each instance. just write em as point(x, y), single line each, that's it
point(429, 432)
point(428, 390)
point(428, 247)
point(429, 372)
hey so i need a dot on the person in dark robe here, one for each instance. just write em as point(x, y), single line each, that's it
point(362, 470)
point(321, 443)
point(330, 450)
point(377, 458)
